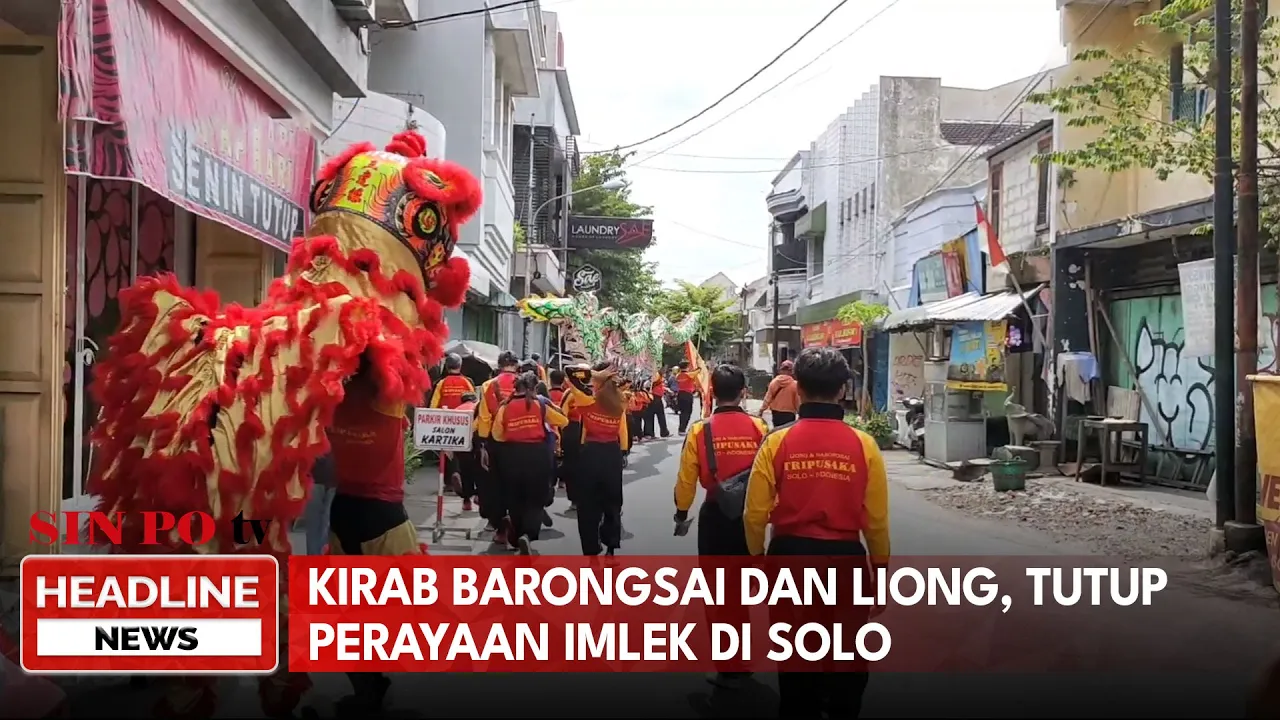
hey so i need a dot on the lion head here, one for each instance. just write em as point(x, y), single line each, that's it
point(420, 201)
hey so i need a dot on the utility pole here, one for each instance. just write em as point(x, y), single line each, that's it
point(1246, 533)
point(777, 355)
point(1224, 384)
point(528, 238)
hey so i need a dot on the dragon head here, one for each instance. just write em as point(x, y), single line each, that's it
point(552, 309)
point(364, 194)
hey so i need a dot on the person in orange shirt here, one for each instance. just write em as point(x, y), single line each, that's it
point(638, 405)
point(821, 484)
point(657, 409)
point(521, 430)
point(686, 388)
point(596, 483)
point(781, 400)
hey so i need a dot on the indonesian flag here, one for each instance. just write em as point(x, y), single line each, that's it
point(994, 250)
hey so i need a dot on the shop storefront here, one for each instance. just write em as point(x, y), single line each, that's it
point(844, 336)
point(156, 157)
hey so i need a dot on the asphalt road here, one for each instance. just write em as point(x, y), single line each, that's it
point(918, 528)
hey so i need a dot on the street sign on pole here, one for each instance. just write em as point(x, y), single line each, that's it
point(442, 430)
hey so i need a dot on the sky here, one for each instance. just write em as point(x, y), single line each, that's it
point(637, 67)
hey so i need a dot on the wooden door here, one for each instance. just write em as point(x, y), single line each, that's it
point(231, 263)
point(32, 195)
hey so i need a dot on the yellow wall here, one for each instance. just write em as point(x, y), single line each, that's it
point(1098, 197)
point(32, 279)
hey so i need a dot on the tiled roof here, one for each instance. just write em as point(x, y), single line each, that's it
point(979, 133)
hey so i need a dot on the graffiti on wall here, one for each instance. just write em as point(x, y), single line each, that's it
point(906, 367)
point(1178, 386)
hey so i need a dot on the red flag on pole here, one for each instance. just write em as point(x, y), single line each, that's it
point(993, 243)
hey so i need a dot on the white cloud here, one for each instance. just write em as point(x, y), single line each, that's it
point(640, 66)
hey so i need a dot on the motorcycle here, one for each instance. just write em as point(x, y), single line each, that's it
point(915, 423)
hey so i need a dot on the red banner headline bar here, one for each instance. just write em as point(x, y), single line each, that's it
point(679, 614)
point(154, 614)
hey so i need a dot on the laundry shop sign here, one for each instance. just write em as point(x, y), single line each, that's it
point(605, 233)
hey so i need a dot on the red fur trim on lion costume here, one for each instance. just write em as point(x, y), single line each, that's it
point(128, 380)
point(460, 193)
point(450, 282)
point(408, 144)
point(330, 169)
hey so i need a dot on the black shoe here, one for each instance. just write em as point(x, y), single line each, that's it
point(610, 551)
point(546, 519)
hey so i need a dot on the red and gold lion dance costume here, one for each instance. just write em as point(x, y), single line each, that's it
point(224, 409)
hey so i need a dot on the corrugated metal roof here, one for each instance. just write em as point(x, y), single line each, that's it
point(970, 307)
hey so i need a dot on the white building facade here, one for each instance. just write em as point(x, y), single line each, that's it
point(467, 73)
point(939, 217)
point(901, 140)
point(789, 263)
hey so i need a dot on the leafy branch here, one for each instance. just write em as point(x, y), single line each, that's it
point(1130, 103)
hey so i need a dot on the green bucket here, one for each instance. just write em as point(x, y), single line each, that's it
point(1009, 475)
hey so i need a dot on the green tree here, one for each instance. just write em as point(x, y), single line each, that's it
point(721, 321)
point(628, 281)
point(1127, 103)
point(865, 314)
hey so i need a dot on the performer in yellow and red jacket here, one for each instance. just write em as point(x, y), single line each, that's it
point(449, 390)
point(717, 449)
point(597, 478)
point(523, 438)
point(821, 484)
point(492, 394)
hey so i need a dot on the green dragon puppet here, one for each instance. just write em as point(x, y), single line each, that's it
point(592, 333)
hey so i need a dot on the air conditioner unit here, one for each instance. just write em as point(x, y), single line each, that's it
point(356, 11)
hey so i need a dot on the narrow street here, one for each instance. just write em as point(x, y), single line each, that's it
point(919, 527)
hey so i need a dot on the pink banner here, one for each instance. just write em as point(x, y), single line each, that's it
point(147, 100)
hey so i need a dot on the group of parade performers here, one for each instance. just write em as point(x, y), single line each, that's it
point(299, 405)
point(538, 430)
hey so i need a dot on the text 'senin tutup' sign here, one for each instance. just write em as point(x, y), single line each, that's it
point(437, 429)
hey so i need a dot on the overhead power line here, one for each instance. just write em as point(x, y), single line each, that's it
point(740, 85)
point(773, 87)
